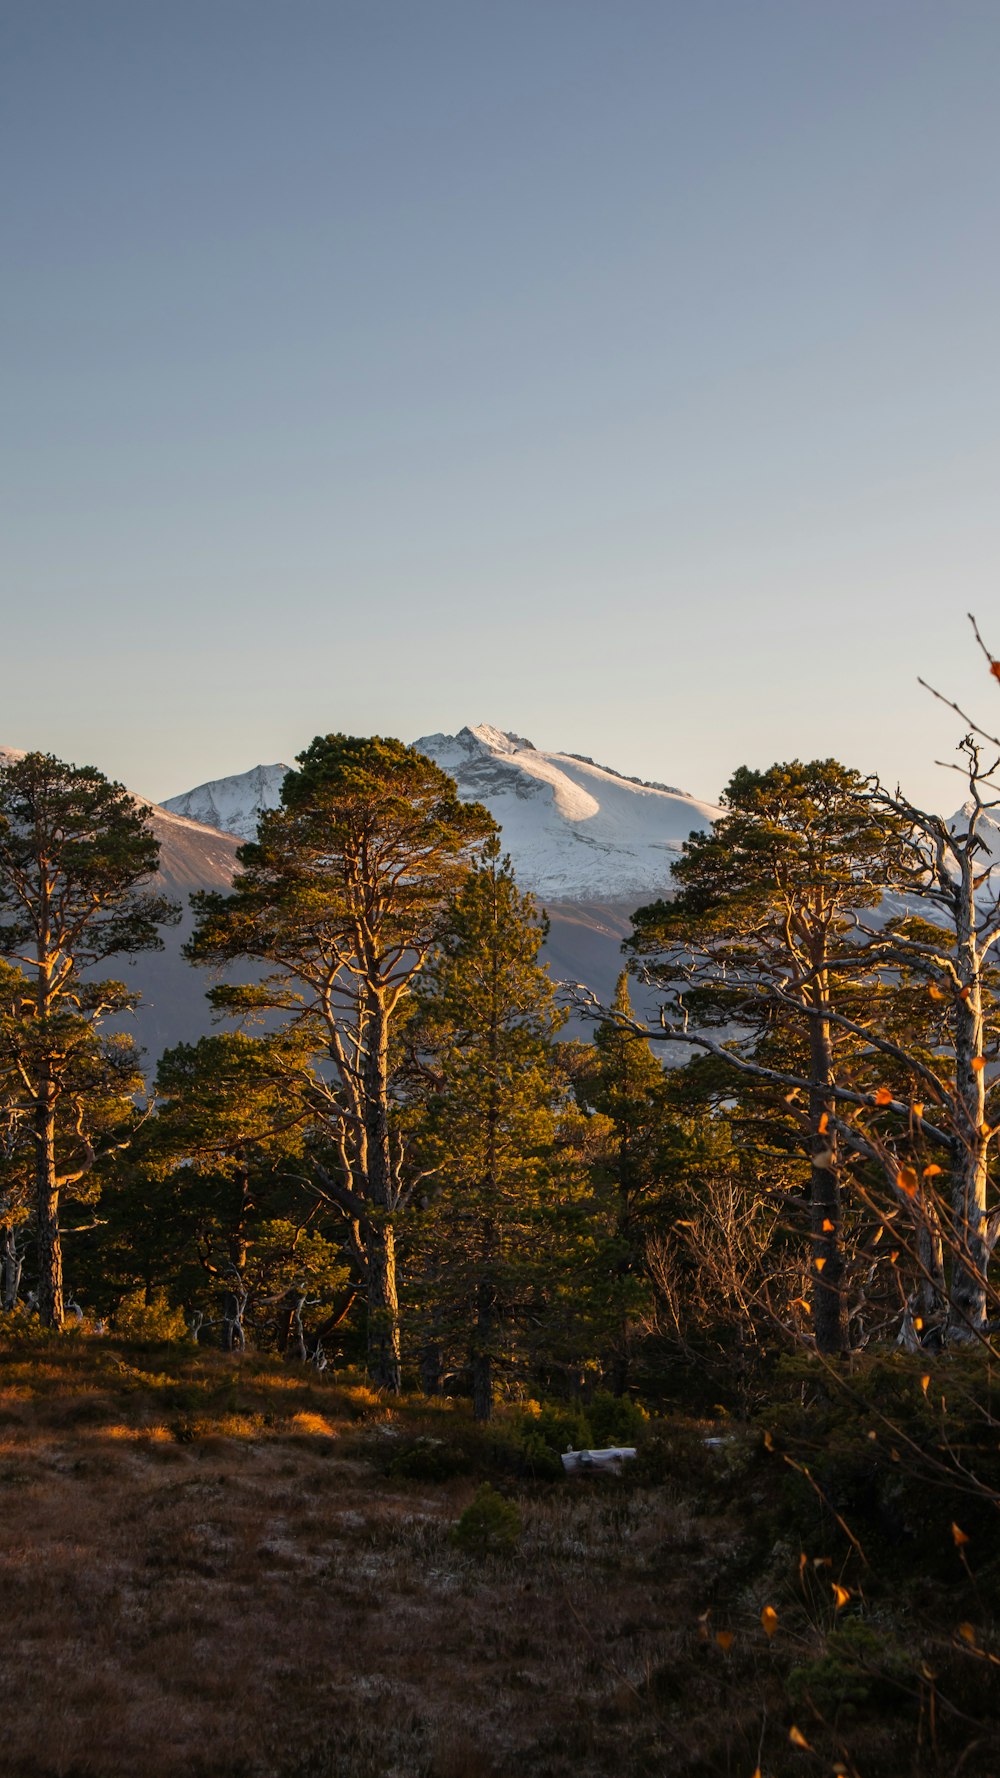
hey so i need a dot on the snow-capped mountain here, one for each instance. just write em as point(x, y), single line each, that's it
point(234, 805)
point(575, 830)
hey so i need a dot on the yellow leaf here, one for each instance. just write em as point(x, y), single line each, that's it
point(769, 1619)
point(917, 1108)
point(967, 1634)
point(925, 1383)
point(907, 1181)
point(878, 1236)
point(932, 1171)
point(978, 1063)
point(958, 1535)
point(841, 1595)
point(883, 1096)
point(819, 1264)
point(799, 1302)
point(797, 1738)
point(829, 1228)
point(894, 1255)
point(918, 1322)
point(824, 1121)
point(725, 1640)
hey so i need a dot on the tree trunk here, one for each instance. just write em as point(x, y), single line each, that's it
point(968, 1203)
point(431, 1366)
point(380, 1239)
point(826, 1216)
point(383, 1307)
point(482, 1352)
point(51, 1308)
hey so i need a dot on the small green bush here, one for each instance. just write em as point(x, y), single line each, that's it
point(489, 1526)
point(616, 1420)
point(152, 1318)
point(428, 1460)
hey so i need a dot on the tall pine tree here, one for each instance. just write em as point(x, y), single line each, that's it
point(486, 1017)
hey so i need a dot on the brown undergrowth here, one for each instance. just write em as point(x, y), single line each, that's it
point(217, 1566)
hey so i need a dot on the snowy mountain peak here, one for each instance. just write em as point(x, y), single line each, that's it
point(576, 831)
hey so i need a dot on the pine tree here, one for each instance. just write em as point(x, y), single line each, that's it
point(75, 852)
point(485, 1021)
point(621, 1085)
point(232, 1110)
point(762, 937)
point(342, 897)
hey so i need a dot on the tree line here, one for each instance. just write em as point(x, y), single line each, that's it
point(398, 1153)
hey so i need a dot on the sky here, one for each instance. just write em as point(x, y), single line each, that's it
point(622, 374)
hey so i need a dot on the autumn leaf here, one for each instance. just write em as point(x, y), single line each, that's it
point(918, 1322)
point(829, 1228)
point(725, 1640)
point(995, 669)
point(977, 882)
point(917, 1108)
point(967, 1634)
point(958, 1535)
point(925, 1383)
point(840, 1594)
point(883, 1096)
point(824, 1122)
point(978, 1063)
point(797, 1738)
point(907, 1181)
point(769, 1620)
point(769, 1441)
point(799, 1302)
point(819, 1264)
point(934, 991)
point(966, 991)
point(932, 1171)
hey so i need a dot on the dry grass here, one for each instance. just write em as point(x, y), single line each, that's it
point(206, 1571)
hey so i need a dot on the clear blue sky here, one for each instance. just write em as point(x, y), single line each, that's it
point(623, 373)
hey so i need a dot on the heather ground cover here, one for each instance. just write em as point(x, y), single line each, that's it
point(215, 1566)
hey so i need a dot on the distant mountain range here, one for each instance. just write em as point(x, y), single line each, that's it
point(576, 831)
point(589, 842)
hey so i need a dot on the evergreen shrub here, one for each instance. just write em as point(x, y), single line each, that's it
point(489, 1526)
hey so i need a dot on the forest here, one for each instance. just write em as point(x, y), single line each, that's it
point(391, 1205)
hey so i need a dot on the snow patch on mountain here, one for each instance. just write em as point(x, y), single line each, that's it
point(576, 831)
point(235, 804)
